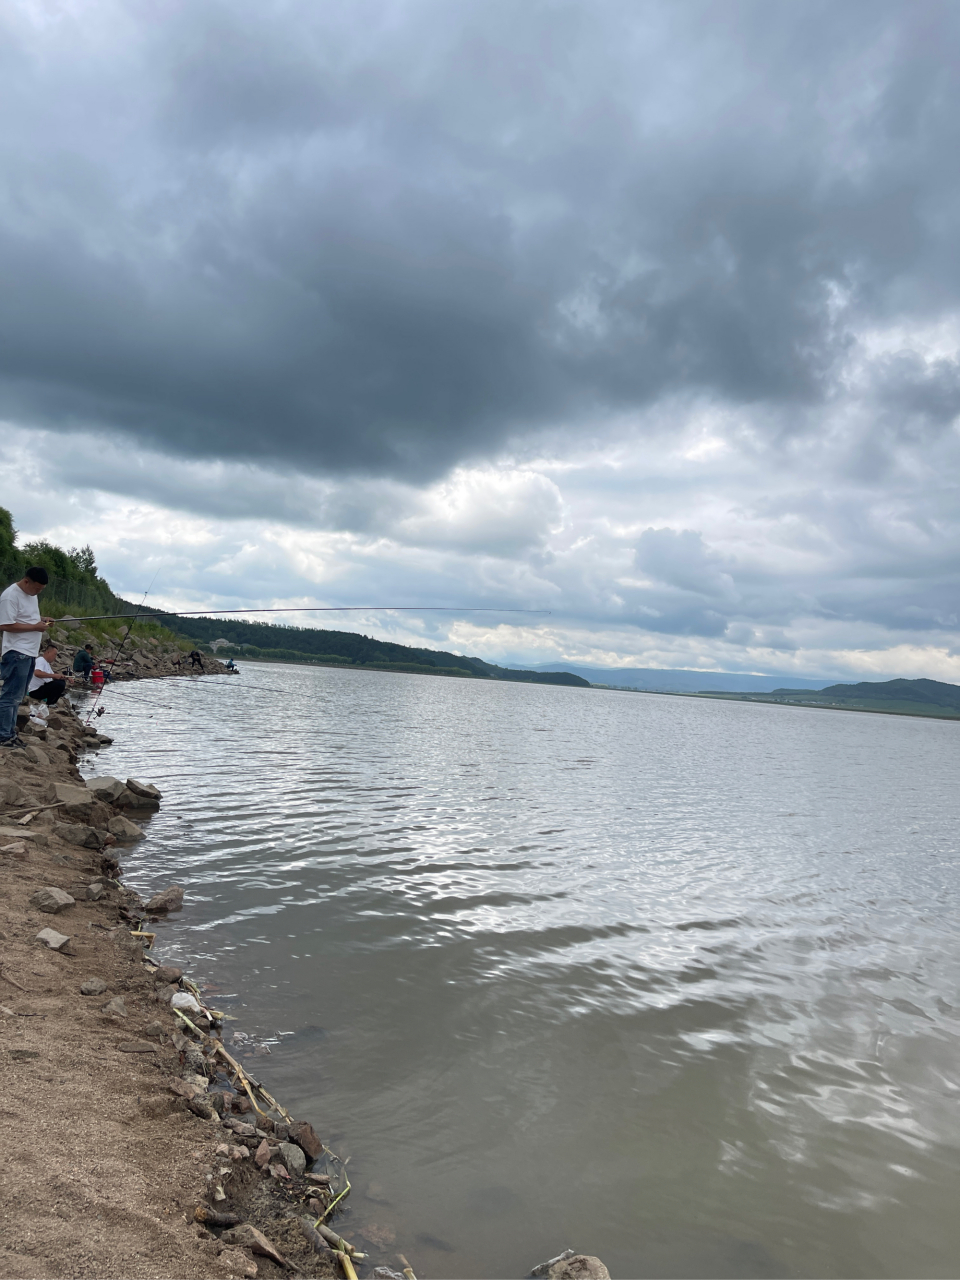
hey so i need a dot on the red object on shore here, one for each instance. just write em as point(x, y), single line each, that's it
point(96, 676)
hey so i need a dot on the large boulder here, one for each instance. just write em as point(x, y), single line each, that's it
point(170, 899)
point(128, 799)
point(108, 789)
point(146, 790)
point(76, 833)
point(51, 900)
point(10, 793)
point(126, 832)
point(293, 1158)
point(305, 1136)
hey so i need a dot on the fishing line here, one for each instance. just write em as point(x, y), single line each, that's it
point(120, 647)
point(326, 608)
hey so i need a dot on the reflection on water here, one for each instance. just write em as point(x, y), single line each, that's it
point(665, 980)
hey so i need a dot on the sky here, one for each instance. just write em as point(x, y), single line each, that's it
point(646, 314)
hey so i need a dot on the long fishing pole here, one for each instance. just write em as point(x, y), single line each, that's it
point(330, 608)
point(116, 656)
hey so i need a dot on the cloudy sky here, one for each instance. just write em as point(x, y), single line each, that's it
point(644, 313)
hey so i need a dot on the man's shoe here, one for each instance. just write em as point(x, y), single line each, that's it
point(14, 744)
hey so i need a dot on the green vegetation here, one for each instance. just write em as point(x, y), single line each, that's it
point(895, 697)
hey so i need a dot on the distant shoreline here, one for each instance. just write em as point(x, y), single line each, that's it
point(759, 700)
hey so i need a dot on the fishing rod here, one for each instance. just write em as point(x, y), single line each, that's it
point(326, 608)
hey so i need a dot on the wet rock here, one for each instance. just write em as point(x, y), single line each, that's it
point(76, 833)
point(293, 1157)
point(115, 1008)
point(51, 900)
point(96, 891)
point(50, 938)
point(384, 1273)
point(304, 1135)
point(93, 987)
point(236, 1263)
point(107, 789)
point(170, 899)
point(145, 790)
point(167, 973)
point(581, 1266)
point(129, 800)
point(125, 831)
point(247, 1237)
point(321, 1179)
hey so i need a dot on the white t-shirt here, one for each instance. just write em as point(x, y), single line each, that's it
point(17, 606)
point(42, 672)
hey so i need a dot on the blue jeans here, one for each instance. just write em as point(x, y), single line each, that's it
point(16, 671)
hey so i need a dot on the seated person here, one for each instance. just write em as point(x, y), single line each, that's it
point(83, 661)
point(46, 686)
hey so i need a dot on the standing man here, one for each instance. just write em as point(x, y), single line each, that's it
point(22, 628)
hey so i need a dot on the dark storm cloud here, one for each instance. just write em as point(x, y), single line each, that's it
point(390, 237)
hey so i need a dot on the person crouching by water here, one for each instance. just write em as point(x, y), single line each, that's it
point(23, 629)
point(83, 662)
point(46, 686)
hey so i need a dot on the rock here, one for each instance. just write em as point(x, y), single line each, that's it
point(216, 1101)
point(96, 891)
point(124, 830)
point(105, 788)
point(247, 1237)
point(167, 973)
point(581, 1266)
point(277, 1170)
point(136, 1046)
point(115, 1008)
point(293, 1158)
point(281, 1131)
point(384, 1273)
point(68, 623)
point(93, 987)
point(51, 900)
point(170, 899)
point(128, 800)
point(199, 1108)
point(10, 793)
point(154, 1030)
point(146, 790)
point(322, 1179)
point(263, 1154)
point(166, 994)
point(17, 850)
point(380, 1234)
point(241, 1129)
point(186, 1088)
point(36, 756)
point(304, 1135)
point(78, 799)
point(75, 833)
point(55, 941)
point(236, 1263)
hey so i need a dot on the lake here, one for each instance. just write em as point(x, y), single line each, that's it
point(666, 980)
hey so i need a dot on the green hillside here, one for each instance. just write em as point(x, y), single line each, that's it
point(895, 697)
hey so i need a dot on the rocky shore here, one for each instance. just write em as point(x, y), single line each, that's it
point(136, 1145)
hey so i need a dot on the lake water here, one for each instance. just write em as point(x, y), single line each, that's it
point(670, 981)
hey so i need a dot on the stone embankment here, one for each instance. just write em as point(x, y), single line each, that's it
point(140, 656)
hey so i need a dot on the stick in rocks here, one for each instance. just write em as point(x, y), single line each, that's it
point(347, 1265)
point(407, 1269)
point(13, 982)
point(336, 1241)
point(203, 1213)
point(316, 1240)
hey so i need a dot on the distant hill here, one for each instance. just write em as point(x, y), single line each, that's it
point(678, 680)
point(918, 693)
point(274, 641)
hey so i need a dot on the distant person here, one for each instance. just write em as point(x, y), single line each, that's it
point(231, 665)
point(45, 685)
point(83, 662)
point(23, 629)
point(196, 660)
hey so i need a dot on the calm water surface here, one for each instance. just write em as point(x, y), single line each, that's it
point(670, 981)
